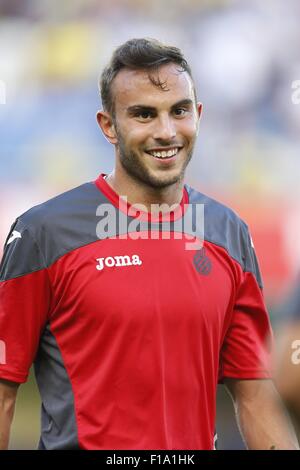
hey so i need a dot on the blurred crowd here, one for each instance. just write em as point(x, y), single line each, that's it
point(245, 56)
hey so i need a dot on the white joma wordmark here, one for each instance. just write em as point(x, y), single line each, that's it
point(118, 261)
point(15, 234)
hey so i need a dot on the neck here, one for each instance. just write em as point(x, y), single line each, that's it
point(138, 192)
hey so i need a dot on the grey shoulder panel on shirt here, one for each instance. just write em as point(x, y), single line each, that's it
point(47, 231)
point(21, 253)
point(66, 222)
point(223, 227)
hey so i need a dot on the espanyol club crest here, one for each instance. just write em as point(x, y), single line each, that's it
point(202, 263)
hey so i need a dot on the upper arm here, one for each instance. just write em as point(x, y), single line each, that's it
point(8, 394)
point(250, 391)
point(287, 375)
point(262, 419)
point(8, 391)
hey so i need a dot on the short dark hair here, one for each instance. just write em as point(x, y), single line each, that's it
point(139, 54)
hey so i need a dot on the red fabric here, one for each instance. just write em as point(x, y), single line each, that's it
point(142, 349)
point(24, 306)
point(246, 351)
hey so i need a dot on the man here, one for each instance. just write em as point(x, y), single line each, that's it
point(129, 326)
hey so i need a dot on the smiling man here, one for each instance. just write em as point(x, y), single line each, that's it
point(130, 333)
point(154, 130)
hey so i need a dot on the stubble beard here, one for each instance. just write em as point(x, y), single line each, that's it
point(131, 163)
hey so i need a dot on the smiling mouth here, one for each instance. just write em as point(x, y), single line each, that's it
point(164, 153)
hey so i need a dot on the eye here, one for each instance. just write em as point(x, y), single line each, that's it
point(144, 115)
point(180, 112)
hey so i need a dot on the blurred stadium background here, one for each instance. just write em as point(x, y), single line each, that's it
point(245, 56)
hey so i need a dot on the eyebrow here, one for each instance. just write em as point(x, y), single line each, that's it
point(139, 107)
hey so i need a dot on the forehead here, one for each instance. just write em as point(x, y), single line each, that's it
point(131, 87)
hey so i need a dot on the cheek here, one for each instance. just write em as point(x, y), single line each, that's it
point(188, 129)
point(135, 137)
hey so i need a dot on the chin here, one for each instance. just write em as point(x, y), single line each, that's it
point(162, 181)
point(152, 177)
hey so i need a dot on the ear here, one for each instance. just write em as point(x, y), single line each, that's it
point(199, 109)
point(107, 126)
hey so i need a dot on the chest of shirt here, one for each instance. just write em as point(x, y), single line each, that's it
point(136, 281)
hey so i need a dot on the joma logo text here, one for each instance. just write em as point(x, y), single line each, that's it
point(118, 261)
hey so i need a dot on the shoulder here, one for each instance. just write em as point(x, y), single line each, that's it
point(59, 225)
point(215, 210)
point(225, 228)
point(56, 208)
point(218, 216)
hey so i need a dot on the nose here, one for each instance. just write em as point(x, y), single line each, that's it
point(165, 129)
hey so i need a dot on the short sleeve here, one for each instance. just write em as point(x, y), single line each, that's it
point(25, 293)
point(247, 348)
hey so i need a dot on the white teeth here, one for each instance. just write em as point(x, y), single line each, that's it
point(164, 154)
